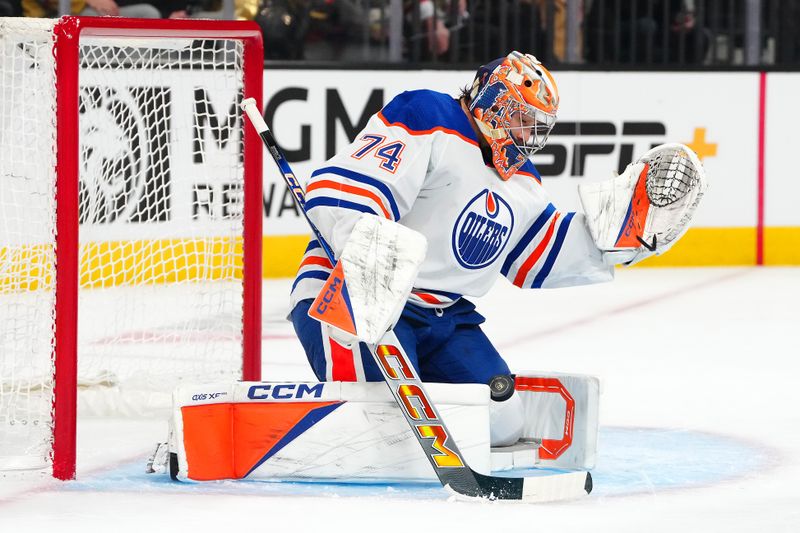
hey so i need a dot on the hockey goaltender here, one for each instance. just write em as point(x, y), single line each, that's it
point(433, 199)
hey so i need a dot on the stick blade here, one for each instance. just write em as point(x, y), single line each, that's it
point(536, 489)
point(567, 486)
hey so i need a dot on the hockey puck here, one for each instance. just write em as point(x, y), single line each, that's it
point(501, 387)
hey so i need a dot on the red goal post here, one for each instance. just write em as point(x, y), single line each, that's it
point(228, 256)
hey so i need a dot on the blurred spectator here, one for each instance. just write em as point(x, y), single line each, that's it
point(552, 28)
point(517, 25)
point(316, 30)
point(284, 24)
point(557, 37)
point(208, 9)
point(432, 22)
point(661, 31)
point(780, 38)
point(788, 42)
point(10, 8)
point(91, 8)
point(120, 8)
point(336, 30)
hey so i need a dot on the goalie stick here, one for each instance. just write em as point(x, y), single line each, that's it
point(406, 387)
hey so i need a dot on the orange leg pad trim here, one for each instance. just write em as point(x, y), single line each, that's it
point(225, 441)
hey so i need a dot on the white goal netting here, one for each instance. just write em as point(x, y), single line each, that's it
point(161, 223)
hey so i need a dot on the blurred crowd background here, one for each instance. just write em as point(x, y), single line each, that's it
point(609, 33)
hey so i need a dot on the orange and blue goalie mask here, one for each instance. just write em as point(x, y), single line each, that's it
point(514, 100)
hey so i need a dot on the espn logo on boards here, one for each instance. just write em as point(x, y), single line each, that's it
point(555, 159)
point(342, 112)
point(285, 391)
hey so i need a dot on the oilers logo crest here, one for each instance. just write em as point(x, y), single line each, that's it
point(482, 230)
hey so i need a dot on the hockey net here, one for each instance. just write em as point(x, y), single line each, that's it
point(130, 238)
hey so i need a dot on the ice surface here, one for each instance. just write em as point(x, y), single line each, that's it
point(700, 429)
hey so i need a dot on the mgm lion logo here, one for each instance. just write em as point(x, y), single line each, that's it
point(119, 180)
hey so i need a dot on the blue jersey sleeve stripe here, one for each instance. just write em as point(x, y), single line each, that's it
point(310, 274)
point(526, 239)
point(551, 257)
point(314, 244)
point(337, 202)
point(362, 178)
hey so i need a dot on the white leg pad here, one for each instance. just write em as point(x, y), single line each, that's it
point(506, 421)
point(560, 423)
point(316, 431)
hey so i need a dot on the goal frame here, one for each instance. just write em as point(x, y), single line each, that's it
point(67, 34)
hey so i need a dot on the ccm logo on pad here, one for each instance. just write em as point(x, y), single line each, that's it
point(285, 391)
point(330, 292)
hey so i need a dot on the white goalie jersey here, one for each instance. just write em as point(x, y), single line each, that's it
point(418, 162)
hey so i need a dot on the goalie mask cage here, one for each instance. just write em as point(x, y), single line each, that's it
point(130, 219)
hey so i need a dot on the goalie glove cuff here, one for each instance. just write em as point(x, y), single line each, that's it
point(646, 209)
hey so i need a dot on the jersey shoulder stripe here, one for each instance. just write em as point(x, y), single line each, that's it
point(529, 169)
point(423, 112)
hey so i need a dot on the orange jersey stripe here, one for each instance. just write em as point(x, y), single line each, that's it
point(314, 260)
point(528, 174)
point(425, 297)
point(335, 185)
point(426, 132)
point(519, 279)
